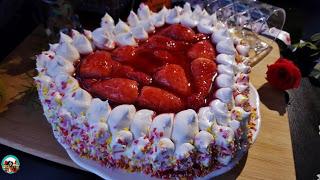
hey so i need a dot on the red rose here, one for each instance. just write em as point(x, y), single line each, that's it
point(283, 75)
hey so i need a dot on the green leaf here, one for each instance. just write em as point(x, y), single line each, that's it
point(312, 46)
point(315, 37)
point(316, 72)
point(315, 54)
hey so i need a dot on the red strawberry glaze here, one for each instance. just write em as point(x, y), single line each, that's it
point(146, 65)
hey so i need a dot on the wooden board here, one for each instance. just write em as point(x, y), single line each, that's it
point(23, 127)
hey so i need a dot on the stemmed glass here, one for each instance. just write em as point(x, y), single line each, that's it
point(248, 20)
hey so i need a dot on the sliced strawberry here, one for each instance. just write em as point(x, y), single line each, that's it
point(140, 77)
point(203, 67)
point(203, 49)
point(96, 65)
point(196, 101)
point(161, 42)
point(159, 100)
point(165, 56)
point(119, 90)
point(124, 53)
point(179, 32)
point(122, 71)
point(87, 83)
point(173, 77)
point(203, 71)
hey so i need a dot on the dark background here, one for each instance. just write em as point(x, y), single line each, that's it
point(19, 17)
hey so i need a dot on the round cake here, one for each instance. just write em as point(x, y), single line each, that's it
point(165, 93)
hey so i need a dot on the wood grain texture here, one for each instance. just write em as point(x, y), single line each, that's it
point(25, 128)
point(271, 155)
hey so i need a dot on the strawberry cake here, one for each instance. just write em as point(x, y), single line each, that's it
point(165, 93)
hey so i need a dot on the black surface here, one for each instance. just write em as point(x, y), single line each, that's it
point(303, 109)
point(304, 120)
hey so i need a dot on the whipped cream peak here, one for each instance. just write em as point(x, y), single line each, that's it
point(133, 19)
point(119, 143)
point(107, 21)
point(225, 94)
point(161, 151)
point(121, 27)
point(144, 12)
point(220, 35)
point(184, 151)
point(188, 21)
point(197, 10)
point(147, 25)
point(66, 83)
point(121, 117)
point(163, 11)
point(126, 39)
point(141, 123)
point(234, 125)
point(139, 33)
point(239, 114)
point(241, 88)
point(81, 43)
point(242, 78)
point(241, 67)
point(243, 49)
point(203, 141)
point(99, 132)
point(241, 100)
point(68, 51)
point(74, 33)
point(158, 19)
point(88, 34)
point(205, 26)
point(53, 47)
point(224, 135)
point(162, 125)
point(206, 118)
point(185, 127)
point(229, 60)
point(43, 81)
point(137, 151)
point(77, 103)
point(59, 65)
point(65, 38)
point(173, 16)
point(187, 9)
point(225, 69)
point(224, 80)
point(43, 59)
point(188, 18)
point(226, 47)
point(103, 39)
point(98, 111)
point(220, 110)
point(205, 14)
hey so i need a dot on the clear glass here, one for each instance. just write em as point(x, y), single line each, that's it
point(247, 19)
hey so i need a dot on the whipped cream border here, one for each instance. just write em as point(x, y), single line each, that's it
point(66, 100)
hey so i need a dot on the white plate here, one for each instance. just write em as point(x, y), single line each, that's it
point(114, 173)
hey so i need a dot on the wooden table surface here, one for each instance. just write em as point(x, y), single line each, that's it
point(23, 127)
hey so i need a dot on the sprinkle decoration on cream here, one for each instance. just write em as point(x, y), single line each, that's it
point(187, 143)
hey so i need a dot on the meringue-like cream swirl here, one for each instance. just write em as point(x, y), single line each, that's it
point(103, 39)
point(81, 43)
